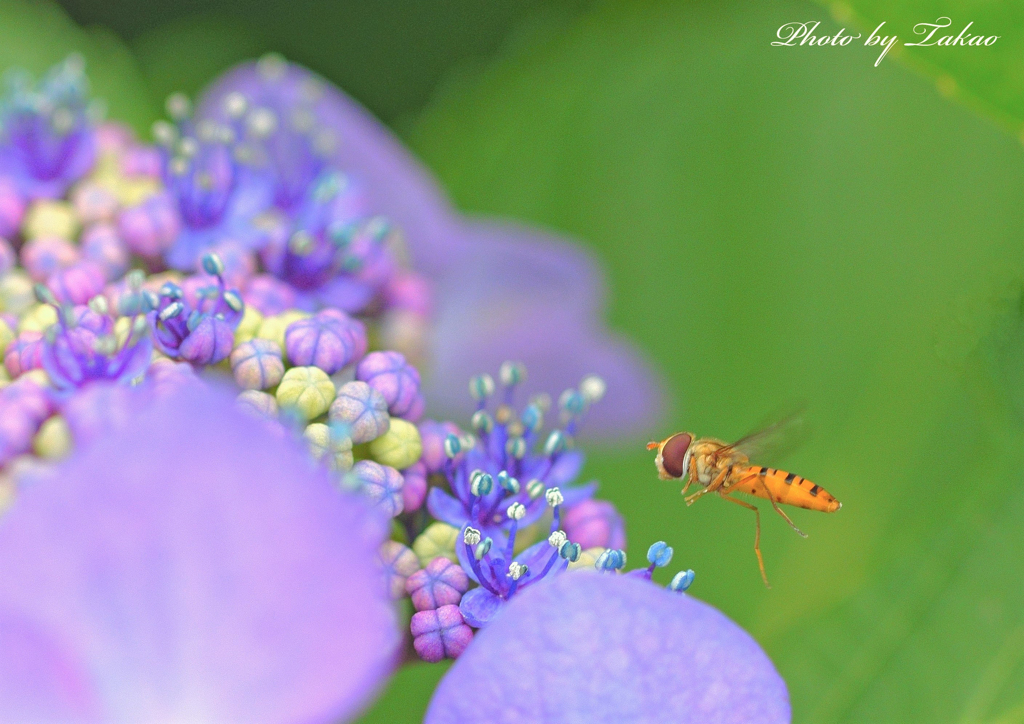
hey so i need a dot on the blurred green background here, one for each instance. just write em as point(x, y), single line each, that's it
point(777, 224)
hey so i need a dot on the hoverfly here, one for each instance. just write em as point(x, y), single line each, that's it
point(724, 469)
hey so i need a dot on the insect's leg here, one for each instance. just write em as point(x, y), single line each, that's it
point(757, 536)
point(691, 475)
point(779, 510)
point(715, 485)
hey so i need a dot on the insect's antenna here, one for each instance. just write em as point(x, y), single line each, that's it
point(652, 445)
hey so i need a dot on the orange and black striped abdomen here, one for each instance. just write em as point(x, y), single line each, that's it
point(787, 488)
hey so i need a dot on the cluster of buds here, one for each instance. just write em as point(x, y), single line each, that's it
point(127, 267)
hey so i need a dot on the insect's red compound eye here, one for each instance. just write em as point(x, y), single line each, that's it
point(673, 453)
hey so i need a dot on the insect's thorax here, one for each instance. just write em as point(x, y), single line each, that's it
point(710, 463)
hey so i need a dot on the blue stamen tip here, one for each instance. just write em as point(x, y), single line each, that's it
point(570, 551)
point(611, 560)
point(452, 446)
point(572, 402)
point(481, 483)
point(507, 482)
point(212, 264)
point(481, 387)
point(44, 295)
point(511, 373)
point(172, 310)
point(532, 417)
point(681, 581)
point(555, 443)
point(659, 554)
point(482, 421)
point(150, 300)
point(482, 548)
point(516, 447)
point(171, 290)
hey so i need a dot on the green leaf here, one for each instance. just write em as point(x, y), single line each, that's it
point(406, 696)
point(37, 35)
point(188, 53)
point(988, 79)
point(781, 226)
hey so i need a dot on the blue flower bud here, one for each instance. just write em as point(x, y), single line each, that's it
point(659, 554)
point(681, 581)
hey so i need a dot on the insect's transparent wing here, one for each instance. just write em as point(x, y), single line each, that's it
point(774, 439)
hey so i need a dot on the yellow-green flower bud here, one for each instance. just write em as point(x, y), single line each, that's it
point(38, 376)
point(50, 218)
point(329, 447)
point(587, 559)
point(6, 336)
point(37, 318)
point(249, 326)
point(53, 439)
point(399, 447)
point(273, 328)
point(437, 540)
point(306, 389)
point(16, 294)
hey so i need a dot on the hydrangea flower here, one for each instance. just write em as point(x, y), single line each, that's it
point(218, 197)
point(229, 581)
point(500, 573)
point(82, 348)
point(598, 648)
point(257, 198)
point(306, 218)
point(47, 138)
point(500, 290)
point(200, 330)
point(509, 460)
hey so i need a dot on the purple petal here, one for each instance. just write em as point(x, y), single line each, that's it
point(626, 650)
point(503, 291)
point(594, 524)
point(197, 568)
point(565, 469)
point(478, 607)
point(522, 295)
point(39, 682)
point(446, 508)
point(396, 184)
point(576, 494)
